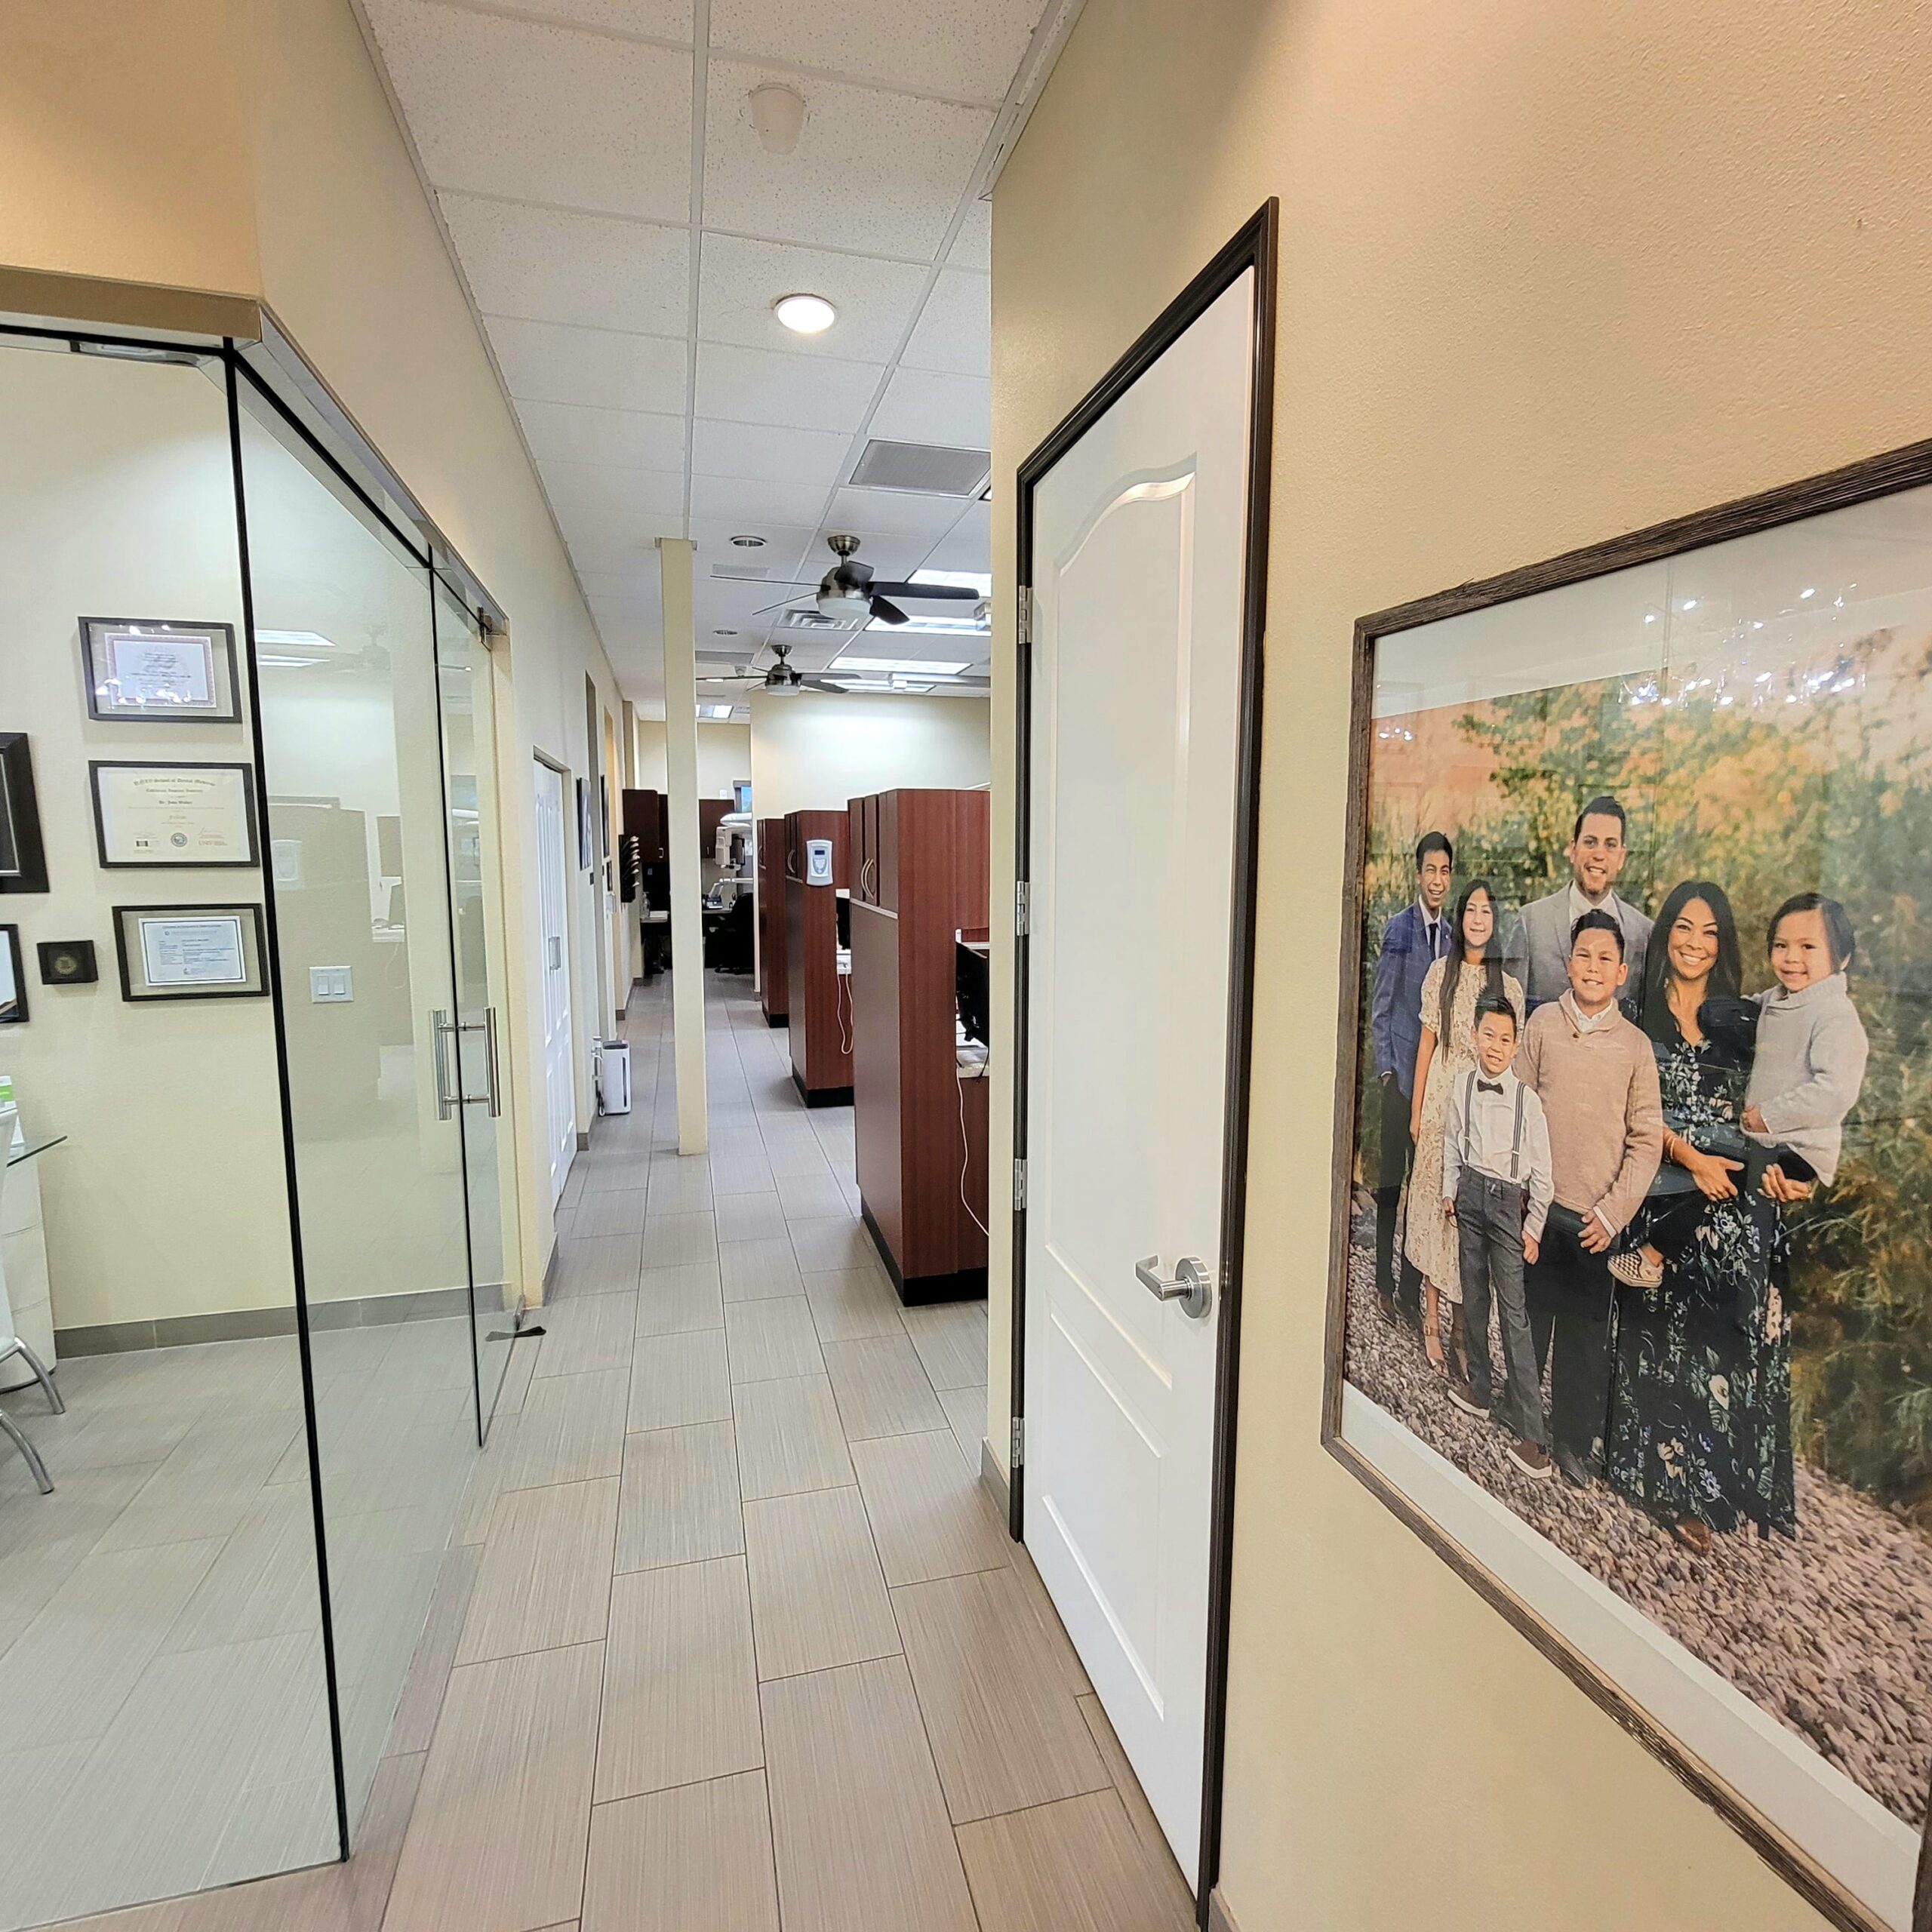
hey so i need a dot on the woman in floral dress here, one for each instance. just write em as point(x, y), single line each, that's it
point(1472, 968)
point(1700, 1411)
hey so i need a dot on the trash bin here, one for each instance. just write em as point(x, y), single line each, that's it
point(613, 1077)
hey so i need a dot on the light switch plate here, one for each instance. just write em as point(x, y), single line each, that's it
point(329, 984)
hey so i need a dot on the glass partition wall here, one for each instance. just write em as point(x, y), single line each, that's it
point(251, 963)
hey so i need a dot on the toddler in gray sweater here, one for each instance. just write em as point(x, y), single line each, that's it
point(1811, 1046)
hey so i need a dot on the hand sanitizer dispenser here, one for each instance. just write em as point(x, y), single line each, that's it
point(818, 862)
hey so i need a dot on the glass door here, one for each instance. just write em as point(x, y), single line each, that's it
point(473, 1068)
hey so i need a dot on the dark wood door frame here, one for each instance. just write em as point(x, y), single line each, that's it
point(1253, 247)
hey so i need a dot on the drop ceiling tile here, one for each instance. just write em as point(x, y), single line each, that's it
point(740, 385)
point(920, 407)
point(741, 279)
point(625, 439)
point(892, 557)
point(657, 19)
point(553, 362)
point(909, 646)
point(967, 51)
point(553, 265)
point(634, 597)
point(968, 545)
point(891, 513)
point(955, 331)
point(878, 173)
point(796, 505)
point(785, 545)
point(596, 486)
point(741, 606)
point(616, 539)
point(767, 453)
point(543, 112)
point(973, 246)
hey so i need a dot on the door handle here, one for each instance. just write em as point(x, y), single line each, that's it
point(439, 1029)
point(1193, 1286)
point(496, 1092)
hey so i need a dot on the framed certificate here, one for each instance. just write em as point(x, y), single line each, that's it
point(13, 979)
point(23, 863)
point(148, 671)
point(158, 815)
point(189, 951)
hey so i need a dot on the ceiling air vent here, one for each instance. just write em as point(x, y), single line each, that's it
point(927, 470)
point(809, 620)
point(742, 573)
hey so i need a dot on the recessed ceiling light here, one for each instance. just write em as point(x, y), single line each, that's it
point(749, 543)
point(805, 315)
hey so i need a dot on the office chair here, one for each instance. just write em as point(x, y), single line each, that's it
point(10, 1345)
point(728, 946)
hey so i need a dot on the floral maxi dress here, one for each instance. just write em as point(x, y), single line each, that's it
point(1700, 1410)
point(1430, 1240)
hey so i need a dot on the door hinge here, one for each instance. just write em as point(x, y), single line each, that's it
point(1022, 908)
point(1024, 613)
point(1017, 1454)
point(1019, 1185)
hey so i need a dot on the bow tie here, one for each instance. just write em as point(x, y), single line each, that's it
point(1489, 1086)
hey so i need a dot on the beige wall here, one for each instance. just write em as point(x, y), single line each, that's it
point(248, 146)
point(811, 751)
point(1547, 275)
point(724, 754)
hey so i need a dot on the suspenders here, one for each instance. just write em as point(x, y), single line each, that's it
point(1516, 1132)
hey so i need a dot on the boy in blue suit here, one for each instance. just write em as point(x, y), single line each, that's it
point(1412, 942)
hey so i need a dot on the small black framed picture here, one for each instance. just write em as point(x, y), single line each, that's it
point(173, 815)
point(67, 962)
point(190, 952)
point(13, 979)
point(149, 670)
point(23, 863)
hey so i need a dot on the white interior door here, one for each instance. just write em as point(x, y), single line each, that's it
point(554, 830)
point(1138, 556)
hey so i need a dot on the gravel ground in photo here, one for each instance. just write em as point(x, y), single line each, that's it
point(1830, 1633)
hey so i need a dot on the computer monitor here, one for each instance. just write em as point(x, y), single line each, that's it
point(972, 980)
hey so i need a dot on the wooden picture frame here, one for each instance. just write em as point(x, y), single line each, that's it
point(1907, 468)
point(185, 833)
point(188, 678)
point(179, 952)
point(22, 859)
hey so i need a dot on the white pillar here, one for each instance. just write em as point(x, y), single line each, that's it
point(673, 558)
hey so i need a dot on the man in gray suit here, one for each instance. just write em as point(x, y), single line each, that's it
point(1537, 947)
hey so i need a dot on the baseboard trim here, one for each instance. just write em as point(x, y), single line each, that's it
point(993, 1480)
point(246, 1324)
point(1220, 1918)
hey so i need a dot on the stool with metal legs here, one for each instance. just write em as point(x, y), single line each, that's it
point(10, 1345)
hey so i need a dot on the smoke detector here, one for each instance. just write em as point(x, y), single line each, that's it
point(778, 117)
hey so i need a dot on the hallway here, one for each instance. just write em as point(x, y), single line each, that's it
point(731, 1639)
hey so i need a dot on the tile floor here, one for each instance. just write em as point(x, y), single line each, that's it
point(729, 1638)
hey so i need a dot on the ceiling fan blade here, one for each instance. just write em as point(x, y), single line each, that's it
point(820, 684)
point(942, 591)
point(780, 606)
point(884, 608)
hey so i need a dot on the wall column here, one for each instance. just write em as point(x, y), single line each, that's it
point(674, 556)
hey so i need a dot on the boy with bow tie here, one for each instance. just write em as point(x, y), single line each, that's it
point(1497, 1184)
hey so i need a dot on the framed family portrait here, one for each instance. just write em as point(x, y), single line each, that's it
point(190, 952)
point(158, 815)
point(150, 671)
point(1631, 1311)
point(23, 861)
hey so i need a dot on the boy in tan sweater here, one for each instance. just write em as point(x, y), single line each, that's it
point(1597, 1078)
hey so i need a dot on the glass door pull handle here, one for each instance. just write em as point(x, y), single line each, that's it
point(1193, 1286)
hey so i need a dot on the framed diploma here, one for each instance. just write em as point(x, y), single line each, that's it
point(189, 951)
point(148, 670)
point(13, 979)
point(155, 815)
point(23, 863)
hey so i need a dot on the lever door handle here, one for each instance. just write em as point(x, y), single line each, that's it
point(1193, 1286)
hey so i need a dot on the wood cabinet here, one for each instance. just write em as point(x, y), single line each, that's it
point(818, 1010)
point(921, 865)
point(647, 818)
point(773, 986)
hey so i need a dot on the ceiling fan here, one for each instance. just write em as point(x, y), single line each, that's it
point(782, 677)
point(847, 594)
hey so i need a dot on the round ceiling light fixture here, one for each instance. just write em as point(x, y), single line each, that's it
point(749, 543)
point(805, 315)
